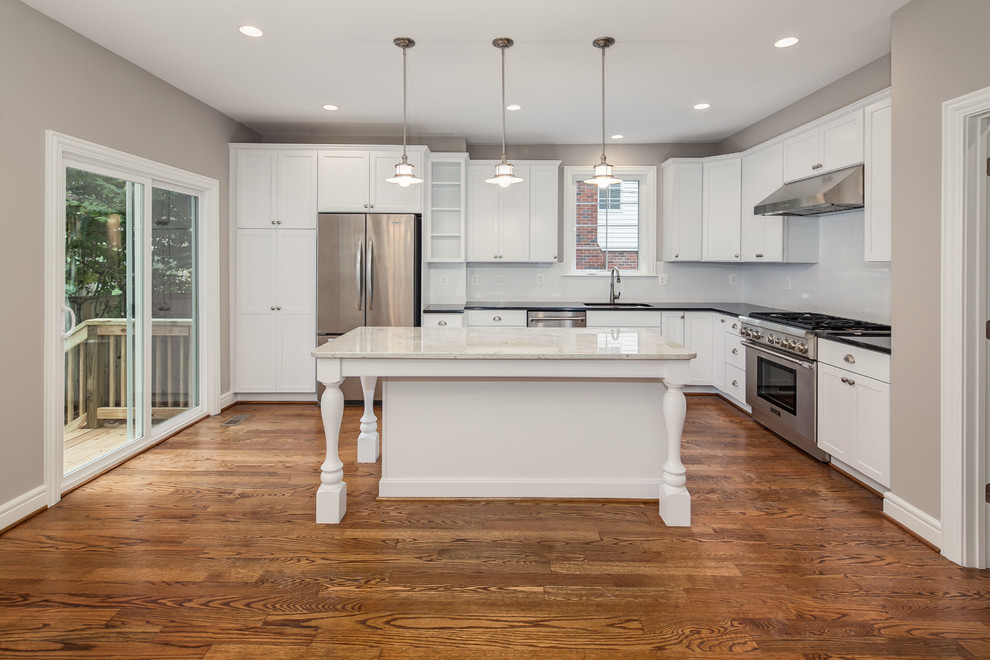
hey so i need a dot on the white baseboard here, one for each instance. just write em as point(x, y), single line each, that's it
point(227, 399)
point(442, 488)
point(913, 518)
point(23, 506)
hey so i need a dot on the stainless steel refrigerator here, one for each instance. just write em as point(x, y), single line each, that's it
point(368, 274)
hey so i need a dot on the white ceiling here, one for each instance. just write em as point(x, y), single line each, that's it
point(669, 55)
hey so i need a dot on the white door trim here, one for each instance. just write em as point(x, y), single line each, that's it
point(963, 311)
point(59, 149)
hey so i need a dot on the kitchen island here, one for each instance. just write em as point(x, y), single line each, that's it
point(512, 412)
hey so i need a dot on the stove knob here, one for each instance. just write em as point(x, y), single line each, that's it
point(777, 341)
point(769, 339)
point(792, 344)
point(802, 348)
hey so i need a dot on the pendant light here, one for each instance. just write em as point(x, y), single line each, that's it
point(404, 171)
point(504, 176)
point(603, 171)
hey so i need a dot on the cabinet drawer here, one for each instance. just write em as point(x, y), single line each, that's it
point(598, 318)
point(732, 325)
point(434, 320)
point(735, 352)
point(515, 318)
point(735, 382)
point(863, 361)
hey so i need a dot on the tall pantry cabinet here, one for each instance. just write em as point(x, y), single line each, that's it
point(274, 301)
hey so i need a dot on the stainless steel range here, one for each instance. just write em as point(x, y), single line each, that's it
point(781, 370)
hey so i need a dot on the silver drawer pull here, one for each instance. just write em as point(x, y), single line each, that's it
point(496, 318)
point(849, 358)
point(735, 326)
point(442, 323)
point(735, 351)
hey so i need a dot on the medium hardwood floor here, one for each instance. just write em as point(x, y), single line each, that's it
point(205, 547)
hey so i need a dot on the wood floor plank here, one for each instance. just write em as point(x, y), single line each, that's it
point(206, 546)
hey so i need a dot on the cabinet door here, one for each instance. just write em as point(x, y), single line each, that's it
point(721, 209)
point(872, 428)
point(672, 326)
point(543, 213)
point(256, 189)
point(698, 337)
point(835, 412)
point(296, 190)
point(801, 155)
point(842, 142)
point(295, 310)
point(682, 210)
point(482, 216)
point(762, 236)
point(877, 182)
point(513, 221)
point(343, 182)
point(391, 197)
point(254, 319)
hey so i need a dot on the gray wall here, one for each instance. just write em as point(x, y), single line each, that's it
point(55, 79)
point(939, 51)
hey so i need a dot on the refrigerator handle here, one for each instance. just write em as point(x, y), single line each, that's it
point(371, 274)
point(359, 258)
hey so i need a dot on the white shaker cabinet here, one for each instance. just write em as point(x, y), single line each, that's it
point(694, 330)
point(274, 188)
point(772, 239)
point(353, 181)
point(830, 146)
point(275, 310)
point(514, 224)
point(854, 408)
point(877, 180)
point(682, 209)
point(721, 208)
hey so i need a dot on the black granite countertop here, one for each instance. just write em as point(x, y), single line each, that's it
point(878, 343)
point(728, 308)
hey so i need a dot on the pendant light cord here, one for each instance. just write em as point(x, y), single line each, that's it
point(603, 105)
point(503, 104)
point(404, 157)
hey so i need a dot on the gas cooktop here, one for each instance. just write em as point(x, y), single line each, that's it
point(821, 322)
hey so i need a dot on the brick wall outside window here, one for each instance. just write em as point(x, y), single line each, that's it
point(589, 254)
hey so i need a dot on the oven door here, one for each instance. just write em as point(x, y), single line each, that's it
point(782, 390)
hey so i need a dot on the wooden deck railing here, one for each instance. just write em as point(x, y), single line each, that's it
point(96, 371)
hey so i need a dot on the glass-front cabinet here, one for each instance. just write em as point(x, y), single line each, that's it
point(445, 207)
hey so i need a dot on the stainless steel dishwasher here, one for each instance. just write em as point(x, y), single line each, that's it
point(556, 319)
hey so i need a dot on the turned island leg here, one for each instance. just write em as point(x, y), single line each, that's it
point(331, 498)
point(675, 501)
point(367, 444)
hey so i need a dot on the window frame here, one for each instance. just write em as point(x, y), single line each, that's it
point(647, 177)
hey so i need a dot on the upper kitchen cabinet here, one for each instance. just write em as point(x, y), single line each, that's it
point(446, 197)
point(832, 145)
point(720, 209)
point(772, 238)
point(682, 201)
point(275, 187)
point(877, 183)
point(353, 181)
point(514, 224)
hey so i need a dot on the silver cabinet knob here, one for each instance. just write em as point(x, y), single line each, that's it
point(442, 323)
point(273, 222)
point(279, 308)
point(735, 383)
point(736, 256)
point(849, 358)
point(723, 321)
point(496, 318)
point(494, 256)
point(372, 206)
point(273, 308)
point(365, 206)
point(676, 256)
point(759, 255)
point(848, 381)
point(735, 351)
point(278, 222)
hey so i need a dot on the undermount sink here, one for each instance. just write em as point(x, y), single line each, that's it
point(617, 304)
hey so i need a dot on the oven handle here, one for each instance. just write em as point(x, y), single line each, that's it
point(806, 365)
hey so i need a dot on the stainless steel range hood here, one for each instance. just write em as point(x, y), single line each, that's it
point(841, 190)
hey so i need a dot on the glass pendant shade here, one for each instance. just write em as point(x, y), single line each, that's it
point(504, 176)
point(603, 175)
point(404, 175)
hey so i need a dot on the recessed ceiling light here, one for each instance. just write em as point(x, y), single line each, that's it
point(250, 31)
point(618, 137)
point(702, 106)
point(513, 107)
point(330, 106)
point(785, 42)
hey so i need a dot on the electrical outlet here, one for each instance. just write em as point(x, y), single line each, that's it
point(474, 279)
point(663, 279)
point(539, 278)
point(787, 283)
point(443, 280)
point(732, 278)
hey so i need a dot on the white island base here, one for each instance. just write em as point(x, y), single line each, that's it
point(578, 415)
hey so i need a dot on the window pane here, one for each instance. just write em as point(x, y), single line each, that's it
point(173, 304)
point(607, 226)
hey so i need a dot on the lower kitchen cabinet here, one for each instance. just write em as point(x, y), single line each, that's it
point(854, 409)
point(434, 320)
point(510, 318)
point(694, 330)
point(275, 310)
point(728, 358)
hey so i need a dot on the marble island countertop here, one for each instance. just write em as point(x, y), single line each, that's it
point(483, 343)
